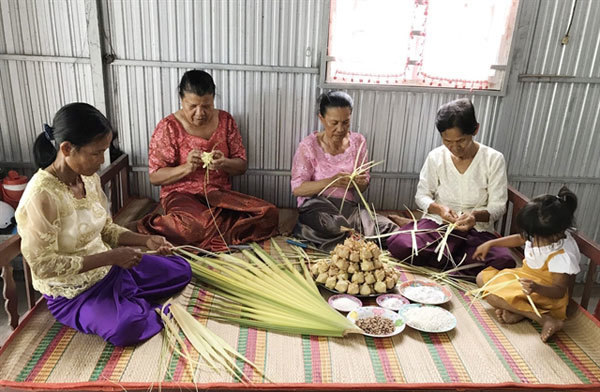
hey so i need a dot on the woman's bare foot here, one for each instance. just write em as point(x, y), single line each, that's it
point(550, 326)
point(400, 220)
point(499, 315)
point(510, 317)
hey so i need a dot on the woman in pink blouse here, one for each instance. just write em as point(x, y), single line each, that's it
point(321, 158)
point(175, 164)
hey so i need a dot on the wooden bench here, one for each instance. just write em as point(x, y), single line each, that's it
point(10, 249)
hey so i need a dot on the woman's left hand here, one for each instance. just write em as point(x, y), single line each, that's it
point(219, 160)
point(361, 181)
point(465, 222)
point(159, 244)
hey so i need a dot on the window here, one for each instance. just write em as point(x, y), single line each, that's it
point(461, 44)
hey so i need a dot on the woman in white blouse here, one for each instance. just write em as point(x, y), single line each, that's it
point(462, 182)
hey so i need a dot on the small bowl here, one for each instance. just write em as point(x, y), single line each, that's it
point(335, 302)
point(392, 301)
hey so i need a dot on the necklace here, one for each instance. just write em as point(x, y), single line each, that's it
point(72, 184)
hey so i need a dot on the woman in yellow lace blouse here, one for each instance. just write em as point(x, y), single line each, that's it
point(82, 262)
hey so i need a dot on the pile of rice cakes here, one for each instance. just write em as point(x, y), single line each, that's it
point(355, 268)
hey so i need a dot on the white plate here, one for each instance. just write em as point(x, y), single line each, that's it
point(421, 283)
point(373, 311)
point(451, 325)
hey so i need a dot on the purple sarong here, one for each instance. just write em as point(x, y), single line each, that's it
point(459, 243)
point(120, 307)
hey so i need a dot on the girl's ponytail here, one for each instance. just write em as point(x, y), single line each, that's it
point(568, 199)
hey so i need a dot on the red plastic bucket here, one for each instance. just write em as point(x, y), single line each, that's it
point(13, 186)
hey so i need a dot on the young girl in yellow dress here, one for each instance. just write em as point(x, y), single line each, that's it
point(549, 268)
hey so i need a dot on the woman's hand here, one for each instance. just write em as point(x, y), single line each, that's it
point(361, 181)
point(529, 286)
point(465, 222)
point(447, 214)
point(482, 251)
point(125, 257)
point(341, 180)
point(219, 160)
point(194, 160)
point(159, 244)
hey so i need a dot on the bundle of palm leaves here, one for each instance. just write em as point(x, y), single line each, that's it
point(260, 291)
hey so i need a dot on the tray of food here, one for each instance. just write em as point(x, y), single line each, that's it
point(355, 268)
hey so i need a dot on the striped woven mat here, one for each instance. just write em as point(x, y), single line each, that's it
point(478, 353)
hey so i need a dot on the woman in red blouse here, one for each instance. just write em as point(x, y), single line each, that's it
point(175, 164)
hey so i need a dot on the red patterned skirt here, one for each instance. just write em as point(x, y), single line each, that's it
point(187, 220)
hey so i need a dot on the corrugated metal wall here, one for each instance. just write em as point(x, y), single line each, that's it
point(31, 91)
point(555, 135)
point(580, 56)
point(265, 57)
point(262, 55)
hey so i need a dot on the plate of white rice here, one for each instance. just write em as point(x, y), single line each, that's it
point(428, 318)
